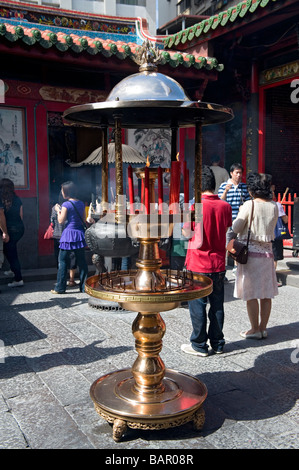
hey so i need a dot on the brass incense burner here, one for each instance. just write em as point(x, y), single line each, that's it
point(147, 395)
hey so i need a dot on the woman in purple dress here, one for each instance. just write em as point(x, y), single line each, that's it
point(72, 238)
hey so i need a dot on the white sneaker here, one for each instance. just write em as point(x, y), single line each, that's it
point(187, 348)
point(8, 273)
point(16, 283)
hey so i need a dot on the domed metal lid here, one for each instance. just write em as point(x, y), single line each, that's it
point(146, 86)
point(148, 99)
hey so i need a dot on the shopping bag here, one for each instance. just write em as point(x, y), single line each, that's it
point(281, 231)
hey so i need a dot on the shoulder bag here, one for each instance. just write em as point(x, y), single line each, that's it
point(281, 231)
point(237, 250)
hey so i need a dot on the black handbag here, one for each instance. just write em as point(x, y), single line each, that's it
point(237, 250)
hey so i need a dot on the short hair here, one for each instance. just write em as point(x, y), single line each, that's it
point(69, 189)
point(259, 185)
point(208, 182)
point(236, 166)
point(215, 158)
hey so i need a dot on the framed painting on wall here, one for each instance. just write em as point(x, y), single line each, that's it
point(13, 148)
point(154, 144)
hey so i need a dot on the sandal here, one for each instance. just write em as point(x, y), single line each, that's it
point(71, 284)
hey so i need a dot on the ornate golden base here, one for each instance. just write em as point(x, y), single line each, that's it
point(178, 401)
point(148, 396)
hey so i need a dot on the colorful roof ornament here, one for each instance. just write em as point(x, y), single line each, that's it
point(246, 8)
point(64, 41)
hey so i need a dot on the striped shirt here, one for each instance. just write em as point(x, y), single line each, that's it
point(236, 196)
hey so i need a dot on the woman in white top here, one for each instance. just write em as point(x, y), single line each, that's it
point(256, 281)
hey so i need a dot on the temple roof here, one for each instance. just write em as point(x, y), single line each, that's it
point(64, 41)
point(239, 14)
point(87, 33)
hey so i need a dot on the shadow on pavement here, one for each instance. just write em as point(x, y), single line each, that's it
point(259, 393)
point(15, 365)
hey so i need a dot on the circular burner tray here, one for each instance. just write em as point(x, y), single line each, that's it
point(114, 394)
point(119, 287)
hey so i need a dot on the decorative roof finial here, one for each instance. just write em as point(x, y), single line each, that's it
point(148, 57)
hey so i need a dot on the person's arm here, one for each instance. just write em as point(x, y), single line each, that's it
point(240, 222)
point(61, 213)
point(284, 218)
point(222, 193)
point(53, 217)
point(21, 212)
point(3, 226)
point(281, 213)
point(187, 230)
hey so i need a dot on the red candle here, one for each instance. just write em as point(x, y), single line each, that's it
point(131, 189)
point(142, 191)
point(146, 190)
point(160, 189)
point(186, 183)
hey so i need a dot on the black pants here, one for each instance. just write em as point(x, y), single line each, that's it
point(11, 253)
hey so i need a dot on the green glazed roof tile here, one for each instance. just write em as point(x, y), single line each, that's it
point(108, 48)
point(222, 19)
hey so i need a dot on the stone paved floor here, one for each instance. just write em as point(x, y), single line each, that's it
point(54, 347)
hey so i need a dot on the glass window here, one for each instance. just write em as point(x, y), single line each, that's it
point(182, 6)
point(140, 3)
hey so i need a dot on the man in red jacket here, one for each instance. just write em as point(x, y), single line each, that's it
point(209, 260)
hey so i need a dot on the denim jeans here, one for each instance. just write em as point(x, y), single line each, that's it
point(63, 263)
point(198, 315)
